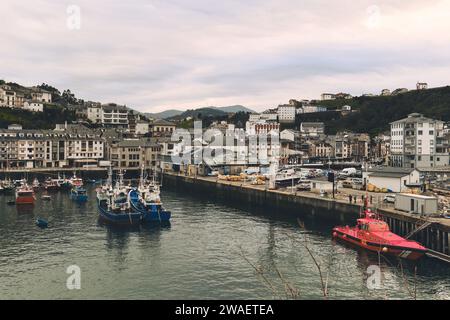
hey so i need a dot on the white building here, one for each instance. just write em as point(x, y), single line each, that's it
point(313, 109)
point(394, 179)
point(95, 113)
point(419, 142)
point(41, 95)
point(286, 113)
point(328, 96)
point(114, 115)
point(9, 98)
point(33, 106)
point(385, 92)
point(312, 129)
point(346, 108)
point(142, 127)
point(422, 86)
point(288, 134)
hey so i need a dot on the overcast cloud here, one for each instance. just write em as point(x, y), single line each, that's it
point(160, 54)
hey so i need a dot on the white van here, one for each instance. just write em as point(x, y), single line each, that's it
point(347, 172)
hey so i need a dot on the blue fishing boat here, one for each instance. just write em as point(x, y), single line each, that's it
point(152, 211)
point(78, 194)
point(114, 204)
point(146, 200)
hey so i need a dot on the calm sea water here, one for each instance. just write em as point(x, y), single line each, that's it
point(200, 256)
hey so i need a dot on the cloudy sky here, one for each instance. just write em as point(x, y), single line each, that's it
point(158, 54)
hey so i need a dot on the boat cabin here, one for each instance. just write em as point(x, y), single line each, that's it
point(371, 225)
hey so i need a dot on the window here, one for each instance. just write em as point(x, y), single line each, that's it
point(431, 132)
point(420, 132)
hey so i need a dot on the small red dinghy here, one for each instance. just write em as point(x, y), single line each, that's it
point(373, 234)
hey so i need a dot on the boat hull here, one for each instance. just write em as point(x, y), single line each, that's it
point(24, 200)
point(153, 213)
point(403, 252)
point(79, 197)
point(125, 219)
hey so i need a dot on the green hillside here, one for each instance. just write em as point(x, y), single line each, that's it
point(375, 113)
point(52, 115)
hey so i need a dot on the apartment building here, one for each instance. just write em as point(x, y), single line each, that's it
point(419, 142)
point(321, 149)
point(34, 106)
point(328, 96)
point(41, 95)
point(10, 98)
point(94, 113)
point(114, 115)
point(286, 113)
point(312, 129)
point(134, 153)
point(162, 127)
point(61, 147)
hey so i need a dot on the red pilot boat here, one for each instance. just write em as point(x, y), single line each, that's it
point(25, 195)
point(373, 234)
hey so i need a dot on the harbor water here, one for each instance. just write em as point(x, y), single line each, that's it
point(208, 252)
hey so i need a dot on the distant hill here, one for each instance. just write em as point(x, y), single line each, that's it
point(200, 113)
point(375, 113)
point(212, 111)
point(235, 109)
point(165, 114)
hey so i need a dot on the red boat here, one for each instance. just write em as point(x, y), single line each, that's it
point(25, 195)
point(373, 234)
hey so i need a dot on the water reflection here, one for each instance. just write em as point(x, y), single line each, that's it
point(24, 209)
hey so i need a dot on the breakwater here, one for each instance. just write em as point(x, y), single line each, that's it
point(431, 232)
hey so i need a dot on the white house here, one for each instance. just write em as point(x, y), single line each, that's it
point(422, 86)
point(41, 95)
point(313, 109)
point(286, 113)
point(94, 113)
point(142, 127)
point(328, 96)
point(394, 179)
point(346, 108)
point(34, 106)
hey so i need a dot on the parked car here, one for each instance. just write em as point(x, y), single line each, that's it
point(347, 184)
point(214, 173)
point(390, 198)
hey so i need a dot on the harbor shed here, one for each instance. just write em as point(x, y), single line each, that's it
point(417, 204)
point(321, 185)
point(393, 179)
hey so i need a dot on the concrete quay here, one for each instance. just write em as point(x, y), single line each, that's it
point(433, 233)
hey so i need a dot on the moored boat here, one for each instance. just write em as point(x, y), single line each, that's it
point(51, 184)
point(114, 204)
point(146, 199)
point(8, 187)
point(36, 184)
point(373, 234)
point(75, 181)
point(78, 194)
point(25, 195)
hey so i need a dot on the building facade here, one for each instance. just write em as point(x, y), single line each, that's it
point(419, 142)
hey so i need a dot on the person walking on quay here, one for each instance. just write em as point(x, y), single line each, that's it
point(350, 198)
